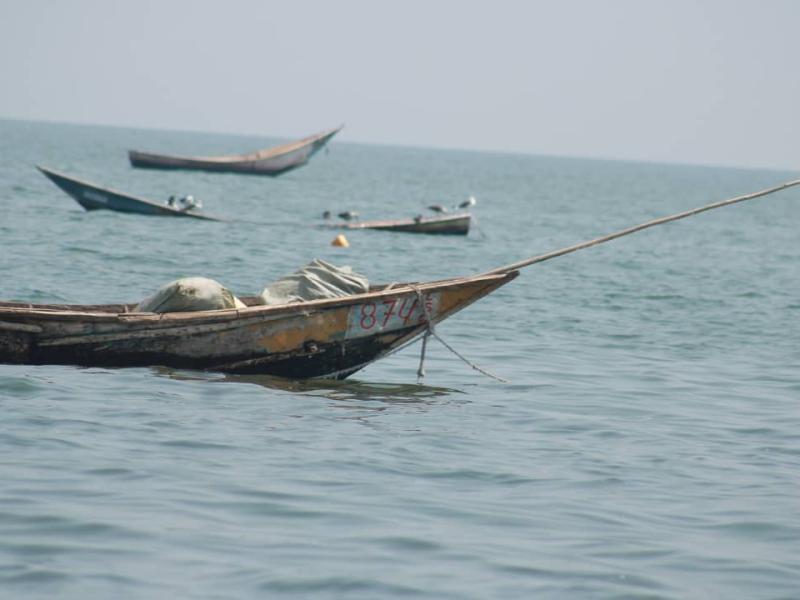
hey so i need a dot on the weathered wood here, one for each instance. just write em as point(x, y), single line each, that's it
point(331, 338)
point(20, 327)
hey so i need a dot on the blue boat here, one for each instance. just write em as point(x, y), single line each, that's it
point(94, 197)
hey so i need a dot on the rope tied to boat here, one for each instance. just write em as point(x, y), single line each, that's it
point(430, 331)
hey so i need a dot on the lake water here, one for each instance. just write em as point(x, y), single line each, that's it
point(646, 445)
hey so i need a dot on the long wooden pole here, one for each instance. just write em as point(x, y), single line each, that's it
point(660, 221)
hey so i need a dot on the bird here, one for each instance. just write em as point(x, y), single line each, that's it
point(468, 202)
point(348, 215)
point(438, 208)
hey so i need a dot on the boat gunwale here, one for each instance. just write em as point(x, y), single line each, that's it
point(157, 320)
point(165, 328)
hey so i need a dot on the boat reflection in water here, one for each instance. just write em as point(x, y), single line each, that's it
point(332, 389)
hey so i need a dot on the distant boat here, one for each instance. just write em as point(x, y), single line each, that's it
point(93, 197)
point(457, 224)
point(272, 161)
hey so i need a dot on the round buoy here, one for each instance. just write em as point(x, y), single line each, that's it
point(341, 241)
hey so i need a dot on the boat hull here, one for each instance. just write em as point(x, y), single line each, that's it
point(323, 338)
point(272, 162)
point(95, 197)
point(449, 225)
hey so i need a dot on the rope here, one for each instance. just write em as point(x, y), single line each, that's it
point(569, 249)
point(430, 331)
point(421, 369)
point(478, 229)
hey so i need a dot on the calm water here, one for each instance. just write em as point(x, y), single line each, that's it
point(647, 445)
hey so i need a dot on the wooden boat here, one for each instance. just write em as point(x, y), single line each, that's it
point(321, 338)
point(457, 224)
point(272, 161)
point(94, 197)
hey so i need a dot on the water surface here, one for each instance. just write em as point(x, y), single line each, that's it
point(646, 445)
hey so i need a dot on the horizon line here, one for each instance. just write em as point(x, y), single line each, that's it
point(408, 146)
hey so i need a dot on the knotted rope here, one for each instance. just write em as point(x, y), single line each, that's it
point(430, 331)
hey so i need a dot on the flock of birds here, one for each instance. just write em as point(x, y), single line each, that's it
point(351, 215)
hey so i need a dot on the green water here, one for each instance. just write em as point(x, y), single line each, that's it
point(645, 446)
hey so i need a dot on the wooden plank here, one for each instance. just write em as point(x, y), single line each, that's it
point(6, 326)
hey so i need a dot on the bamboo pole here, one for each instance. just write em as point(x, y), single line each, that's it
point(660, 221)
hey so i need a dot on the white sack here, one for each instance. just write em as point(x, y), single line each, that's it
point(190, 294)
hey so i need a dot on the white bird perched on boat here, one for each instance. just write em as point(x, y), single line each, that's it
point(348, 215)
point(438, 208)
point(468, 202)
point(188, 203)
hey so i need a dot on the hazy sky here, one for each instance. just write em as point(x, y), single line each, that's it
point(690, 81)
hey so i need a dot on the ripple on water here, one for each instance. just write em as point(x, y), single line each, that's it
point(36, 576)
point(19, 386)
point(646, 447)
